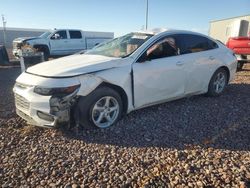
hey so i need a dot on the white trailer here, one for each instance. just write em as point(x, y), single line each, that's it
point(231, 27)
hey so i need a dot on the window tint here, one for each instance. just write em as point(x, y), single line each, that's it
point(195, 43)
point(165, 47)
point(60, 35)
point(75, 34)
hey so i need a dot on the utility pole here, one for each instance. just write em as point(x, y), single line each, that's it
point(4, 30)
point(147, 15)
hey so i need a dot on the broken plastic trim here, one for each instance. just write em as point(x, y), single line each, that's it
point(61, 106)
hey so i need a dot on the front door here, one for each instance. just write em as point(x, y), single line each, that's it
point(159, 74)
point(60, 43)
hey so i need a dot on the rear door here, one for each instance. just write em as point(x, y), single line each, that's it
point(200, 54)
point(76, 41)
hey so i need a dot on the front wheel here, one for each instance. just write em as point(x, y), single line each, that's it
point(218, 83)
point(102, 108)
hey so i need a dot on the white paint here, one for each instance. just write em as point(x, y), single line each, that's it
point(154, 81)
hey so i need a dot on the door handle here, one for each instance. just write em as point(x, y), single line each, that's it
point(211, 58)
point(179, 63)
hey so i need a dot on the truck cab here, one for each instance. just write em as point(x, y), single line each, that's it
point(62, 42)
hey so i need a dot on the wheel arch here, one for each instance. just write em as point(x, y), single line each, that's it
point(42, 47)
point(120, 91)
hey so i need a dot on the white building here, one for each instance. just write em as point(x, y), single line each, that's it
point(12, 33)
point(230, 27)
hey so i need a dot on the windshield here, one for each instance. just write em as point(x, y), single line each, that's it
point(45, 35)
point(122, 46)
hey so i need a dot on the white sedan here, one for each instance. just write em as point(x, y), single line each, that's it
point(127, 73)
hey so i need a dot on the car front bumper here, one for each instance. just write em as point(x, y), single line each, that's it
point(31, 106)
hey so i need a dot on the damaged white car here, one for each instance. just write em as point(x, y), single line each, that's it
point(127, 73)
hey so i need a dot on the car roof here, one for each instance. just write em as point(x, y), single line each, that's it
point(163, 31)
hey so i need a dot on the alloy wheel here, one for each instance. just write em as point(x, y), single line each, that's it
point(219, 82)
point(105, 111)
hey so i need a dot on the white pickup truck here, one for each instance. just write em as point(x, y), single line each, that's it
point(62, 42)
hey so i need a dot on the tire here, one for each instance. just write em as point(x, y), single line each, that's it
point(240, 65)
point(45, 51)
point(94, 106)
point(46, 55)
point(218, 83)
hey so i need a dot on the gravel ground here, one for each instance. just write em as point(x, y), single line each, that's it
point(192, 142)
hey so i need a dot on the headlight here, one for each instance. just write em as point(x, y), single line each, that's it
point(60, 91)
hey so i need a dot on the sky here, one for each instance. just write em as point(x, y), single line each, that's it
point(119, 16)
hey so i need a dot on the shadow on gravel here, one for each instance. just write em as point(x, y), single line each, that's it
point(222, 122)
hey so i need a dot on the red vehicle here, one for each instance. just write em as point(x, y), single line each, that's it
point(241, 48)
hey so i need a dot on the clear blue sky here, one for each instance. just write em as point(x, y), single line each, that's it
point(119, 16)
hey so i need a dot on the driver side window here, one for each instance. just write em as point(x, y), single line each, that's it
point(60, 35)
point(165, 47)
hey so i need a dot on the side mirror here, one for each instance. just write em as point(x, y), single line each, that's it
point(143, 58)
point(55, 36)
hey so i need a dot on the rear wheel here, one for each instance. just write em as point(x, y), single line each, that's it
point(102, 108)
point(218, 83)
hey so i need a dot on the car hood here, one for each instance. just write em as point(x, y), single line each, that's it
point(74, 65)
point(22, 39)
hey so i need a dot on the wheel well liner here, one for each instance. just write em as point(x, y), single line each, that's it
point(121, 92)
point(42, 47)
point(227, 70)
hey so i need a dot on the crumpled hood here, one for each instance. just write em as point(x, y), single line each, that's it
point(22, 39)
point(74, 65)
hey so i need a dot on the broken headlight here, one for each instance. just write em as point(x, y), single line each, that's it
point(59, 91)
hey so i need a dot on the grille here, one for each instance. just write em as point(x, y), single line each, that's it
point(26, 117)
point(21, 102)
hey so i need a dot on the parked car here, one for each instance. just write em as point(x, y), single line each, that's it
point(127, 73)
point(241, 47)
point(62, 42)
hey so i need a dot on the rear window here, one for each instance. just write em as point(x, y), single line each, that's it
point(195, 43)
point(75, 34)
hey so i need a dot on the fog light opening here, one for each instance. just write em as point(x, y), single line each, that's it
point(45, 116)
